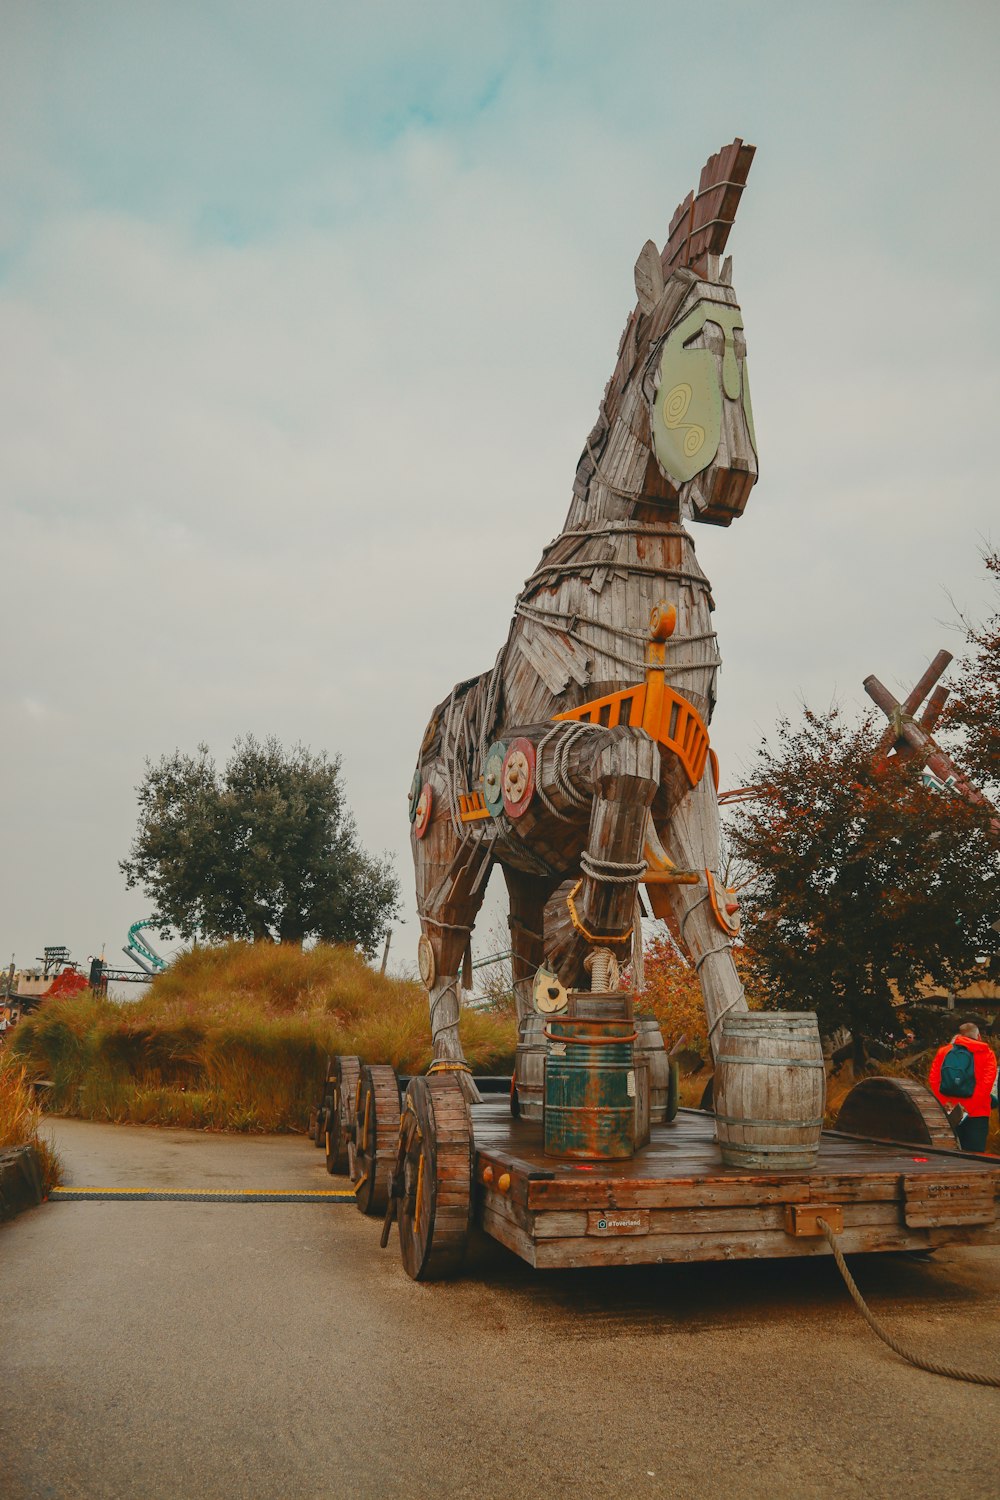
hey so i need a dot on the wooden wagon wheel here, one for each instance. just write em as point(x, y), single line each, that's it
point(376, 1131)
point(896, 1109)
point(343, 1075)
point(322, 1111)
point(432, 1178)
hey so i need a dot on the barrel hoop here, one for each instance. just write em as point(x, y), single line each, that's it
point(590, 1041)
point(771, 1062)
point(759, 1148)
point(778, 1124)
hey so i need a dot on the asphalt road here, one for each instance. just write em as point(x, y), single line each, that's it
point(267, 1351)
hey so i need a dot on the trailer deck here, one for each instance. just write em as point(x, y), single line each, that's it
point(675, 1201)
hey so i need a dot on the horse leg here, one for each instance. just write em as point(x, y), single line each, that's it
point(599, 909)
point(450, 889)
point(691, 839)
point(527, 895)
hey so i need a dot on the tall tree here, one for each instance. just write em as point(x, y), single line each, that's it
point(973, 713)
point(864, 882)
point(266, 850)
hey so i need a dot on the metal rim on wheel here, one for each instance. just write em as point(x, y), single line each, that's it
point(344, 1075)
point(432, 1181)
point(376, 1131)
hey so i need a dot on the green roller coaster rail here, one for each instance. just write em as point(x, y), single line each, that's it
point(142, 951)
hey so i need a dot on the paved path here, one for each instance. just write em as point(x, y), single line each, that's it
point(160, 1351)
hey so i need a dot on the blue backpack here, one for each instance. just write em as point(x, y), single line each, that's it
point(958, 1073)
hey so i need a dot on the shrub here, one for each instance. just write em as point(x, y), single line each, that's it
point(236, 1038)
point(20, 1117)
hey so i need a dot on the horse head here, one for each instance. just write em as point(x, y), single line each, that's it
point(681, 381)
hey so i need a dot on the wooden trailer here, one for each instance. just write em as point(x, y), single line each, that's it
point(890, 1178)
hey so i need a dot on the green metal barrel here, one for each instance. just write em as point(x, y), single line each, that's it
point(590, 1088)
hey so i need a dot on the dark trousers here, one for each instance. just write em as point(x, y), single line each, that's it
point(973, 1131)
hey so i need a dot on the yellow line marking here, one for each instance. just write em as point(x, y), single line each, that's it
point(213, 1192)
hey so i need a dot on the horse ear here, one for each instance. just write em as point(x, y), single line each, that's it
point(648, 277)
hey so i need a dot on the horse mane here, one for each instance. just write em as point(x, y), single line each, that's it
point(701, 224)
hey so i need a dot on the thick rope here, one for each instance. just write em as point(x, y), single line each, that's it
point(598, 475)
point(612, 871)
point(451, 988)
point(445, 926)
point(541, 577)
point(539, 776)
point(633, 663)
point(725, 1011)
point(603, 969)
point(933, 1368)
point(560, 765)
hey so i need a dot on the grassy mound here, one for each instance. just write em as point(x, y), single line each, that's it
point(236, 1038)
point(20, 1117)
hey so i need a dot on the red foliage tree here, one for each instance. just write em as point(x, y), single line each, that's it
point(865, 882)
point(672, 994)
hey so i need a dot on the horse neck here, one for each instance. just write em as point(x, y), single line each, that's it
point(617, 478)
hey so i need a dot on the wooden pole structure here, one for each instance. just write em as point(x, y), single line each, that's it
point(908, 736)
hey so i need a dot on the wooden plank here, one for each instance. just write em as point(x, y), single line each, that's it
point(502, 1206)
point(617, 1221)
point(686, 1221)
point(553, 673)
point(597, 1193)
point(508, 1234)
point(575, 661)
point(655, 1249)
point(934, 1202)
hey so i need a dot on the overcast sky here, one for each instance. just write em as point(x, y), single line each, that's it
point(306, 310)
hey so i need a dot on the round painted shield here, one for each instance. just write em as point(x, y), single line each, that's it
point(517, 778)
point(425, 960)
point(422, 816)
point(548, 993)
point(492, 774)
point(415, 788)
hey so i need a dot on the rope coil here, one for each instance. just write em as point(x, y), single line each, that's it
point(612, 871)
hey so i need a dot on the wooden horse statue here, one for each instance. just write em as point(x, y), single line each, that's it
point(581, 762)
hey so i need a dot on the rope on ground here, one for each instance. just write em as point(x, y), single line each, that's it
point(973, 1376)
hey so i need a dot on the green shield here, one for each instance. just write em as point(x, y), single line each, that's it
point(687, 412)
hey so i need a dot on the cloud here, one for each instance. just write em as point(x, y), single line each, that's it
point(305, 324)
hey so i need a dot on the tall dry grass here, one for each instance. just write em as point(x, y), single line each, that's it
point(236, 1038)
point(21, 1117)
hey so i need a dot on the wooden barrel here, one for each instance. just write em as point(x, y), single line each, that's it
point(770, 1090)
point(649, 1042)
point(590, 1088)
point(530, 1068)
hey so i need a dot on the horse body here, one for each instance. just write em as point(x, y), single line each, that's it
point(579, 762)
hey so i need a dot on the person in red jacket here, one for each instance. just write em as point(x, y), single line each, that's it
point(975, 1127)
